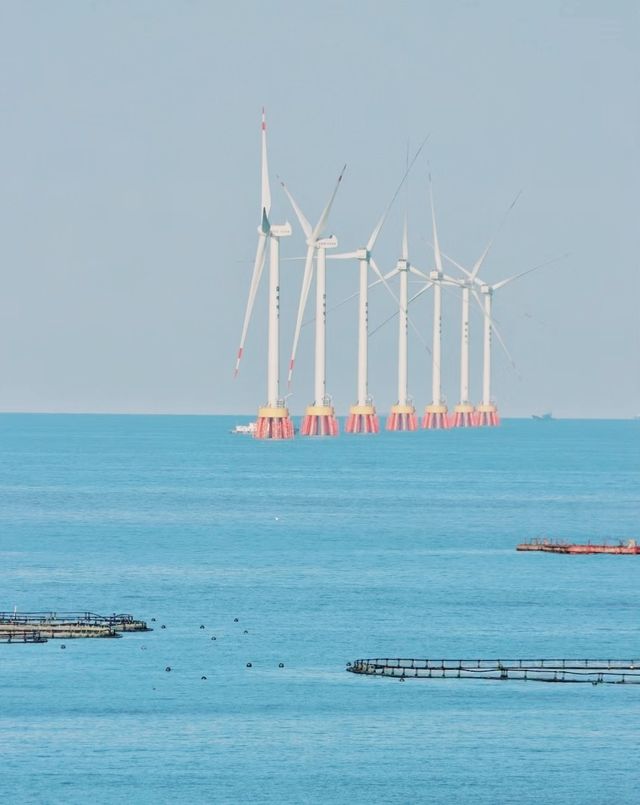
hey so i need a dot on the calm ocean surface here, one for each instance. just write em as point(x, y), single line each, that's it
point(325, 551)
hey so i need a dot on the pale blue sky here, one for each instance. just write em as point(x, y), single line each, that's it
point(129, 192)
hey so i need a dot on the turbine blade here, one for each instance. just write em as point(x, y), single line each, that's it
point(491, 321)
point(383, 279)
point(457, 265)
point(266, 189)
point(382, 323)
point(405, 239)
point(436, 243)
point(317, 232)
point(253, 288)
point(417, 272)
point(304, 293)
point(343, 256)
point(478, 264)
point(421, 291)
point(528, 271)
point(306, 226)
point(344, 301)
point(376, 231)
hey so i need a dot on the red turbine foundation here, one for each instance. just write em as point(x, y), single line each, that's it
point(273, 423)
point(319, 420)
point(435, 417)
point(362, 419)
point(402, 417)
point(487, 416)
point(463, 416)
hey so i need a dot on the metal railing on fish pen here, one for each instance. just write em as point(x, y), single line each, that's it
point(21, 636)
point(596, 671)
point(117, 622)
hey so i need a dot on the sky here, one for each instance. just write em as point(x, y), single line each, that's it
point(130, 194)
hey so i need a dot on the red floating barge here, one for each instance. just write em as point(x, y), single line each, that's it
point(628, 547)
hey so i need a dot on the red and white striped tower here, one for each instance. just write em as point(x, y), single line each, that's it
point(273, 418)
point(319, 418)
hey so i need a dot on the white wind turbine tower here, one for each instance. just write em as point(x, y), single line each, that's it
point(319, 418)
point(464, 412)
point(362, 416)
point(402, 416)
point(273, 418)
point(435, 414)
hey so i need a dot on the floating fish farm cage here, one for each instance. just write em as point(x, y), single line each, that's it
point(596, 671)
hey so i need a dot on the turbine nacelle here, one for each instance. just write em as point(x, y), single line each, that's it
point(402, 265)
point(436, 276)
point(326, 243)
point(485, 289)
point(362, 254)
point(281, 230)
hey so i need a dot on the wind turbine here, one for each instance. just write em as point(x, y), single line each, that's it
point(435, 414)
point(273, 418)
point(464, 412)
point(486, 414)
point(362, 416)
point(402, 416)
point(319, 418)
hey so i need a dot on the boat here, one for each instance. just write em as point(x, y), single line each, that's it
point(546, 416)
point(629, 546)
point(245, 430)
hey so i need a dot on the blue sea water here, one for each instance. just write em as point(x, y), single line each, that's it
point(325, 551)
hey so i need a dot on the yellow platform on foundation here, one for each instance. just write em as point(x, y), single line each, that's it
point(464, 408)
point(319, 410)
point(402, 409)
point(486, 409)
point(273, 413)
point(364, 410)
point(435, 409)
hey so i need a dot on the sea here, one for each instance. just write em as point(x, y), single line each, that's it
point(264, 568)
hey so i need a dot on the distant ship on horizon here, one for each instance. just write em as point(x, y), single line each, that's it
point(547, 415)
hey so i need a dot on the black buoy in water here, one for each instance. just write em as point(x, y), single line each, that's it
point(214, 637)
point(201, 626)
point(163, 626)
point(249, 665)
point(203, 677)
point(246, 631)
point(153, 621)
point(63, 646)
point(168, 668)
point(235, 620)
point(280, 665)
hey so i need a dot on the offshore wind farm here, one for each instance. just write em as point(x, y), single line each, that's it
point(274, 421)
